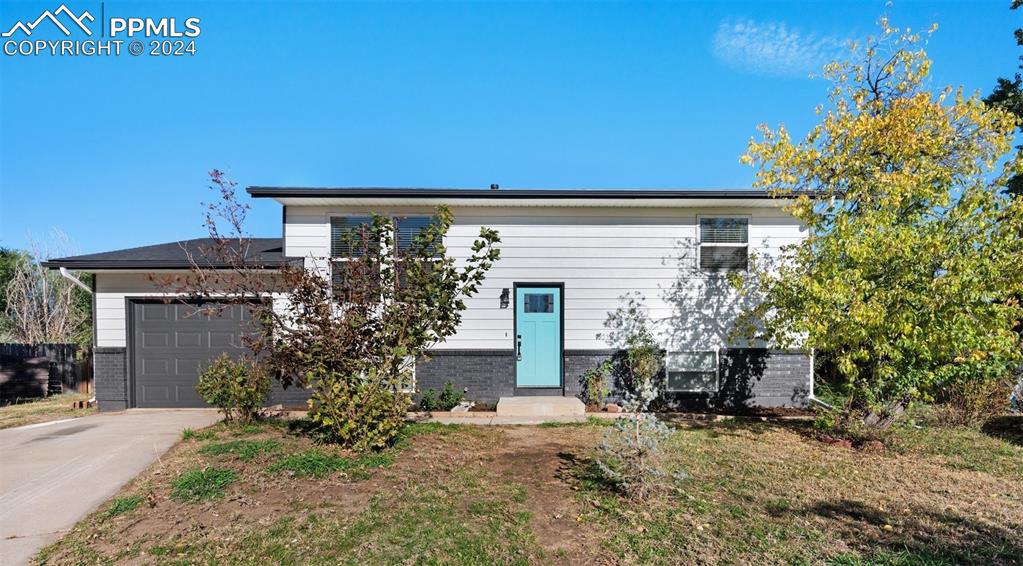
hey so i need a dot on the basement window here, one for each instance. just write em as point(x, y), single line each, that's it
point(724, 244)
point(692, 371)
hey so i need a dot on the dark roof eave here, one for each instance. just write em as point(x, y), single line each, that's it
point(141, 265)
point(378, 192)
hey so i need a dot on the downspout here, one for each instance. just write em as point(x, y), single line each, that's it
point(813, 371)
point(67, 275)
point(78, 282)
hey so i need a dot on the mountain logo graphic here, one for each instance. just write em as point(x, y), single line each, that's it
point(28, 28)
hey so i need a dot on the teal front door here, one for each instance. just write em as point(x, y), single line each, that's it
point(538, 336)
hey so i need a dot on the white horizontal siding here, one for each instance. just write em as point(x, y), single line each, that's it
point(599, 254)
point(111, 317)
point(112, 292)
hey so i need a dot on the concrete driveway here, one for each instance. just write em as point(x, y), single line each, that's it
point(53, 474)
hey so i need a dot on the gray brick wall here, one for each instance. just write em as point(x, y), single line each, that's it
point(485, 375)
point(753, 377)
point(110, 373)
point(749, 377)
point(765, 378)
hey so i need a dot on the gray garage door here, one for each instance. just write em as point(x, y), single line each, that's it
point(172, 342)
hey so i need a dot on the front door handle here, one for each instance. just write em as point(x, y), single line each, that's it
point(518, 352)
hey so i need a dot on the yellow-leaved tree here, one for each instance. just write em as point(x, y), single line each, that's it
point(910, 276)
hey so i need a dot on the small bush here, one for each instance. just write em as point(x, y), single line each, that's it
point(825, 421)
point(973, 393)
point(318, 463)
point(630, 456)
point(122, 505)
point(595, 384)
point(245, 450)
point(237, 388)
point(447, 399)
point(361, 414)
point(205, 484)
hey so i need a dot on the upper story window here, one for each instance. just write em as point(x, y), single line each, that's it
point(724, 244)
point(346, 234)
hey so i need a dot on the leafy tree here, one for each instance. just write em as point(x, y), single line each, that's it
point(349, 329)
point(1008, 95)
point(913, 260)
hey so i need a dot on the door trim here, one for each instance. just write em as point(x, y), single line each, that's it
point(561, 333)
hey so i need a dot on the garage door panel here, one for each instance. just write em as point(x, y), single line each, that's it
point(155, 394)
point(155, 311)
point(172, 343)
point(189, 339)
point(189, 367)
point(155, 367)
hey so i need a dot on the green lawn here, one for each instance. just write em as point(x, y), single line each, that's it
point(757, 492)
point(42, 410)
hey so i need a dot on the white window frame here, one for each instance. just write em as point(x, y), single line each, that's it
point(700, 243)
point(717, 371)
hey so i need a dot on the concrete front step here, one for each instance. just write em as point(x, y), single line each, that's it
point(540, 407)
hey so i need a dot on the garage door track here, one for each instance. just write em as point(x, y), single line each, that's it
point(54, 474)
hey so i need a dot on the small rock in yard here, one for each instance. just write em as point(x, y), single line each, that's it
point(613, 408)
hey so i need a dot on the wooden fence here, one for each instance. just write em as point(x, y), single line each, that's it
point(39, 370)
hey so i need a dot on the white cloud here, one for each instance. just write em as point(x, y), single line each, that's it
point(772, 48)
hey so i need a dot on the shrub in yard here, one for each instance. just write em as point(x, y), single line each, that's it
point(596, 384)
point(237, 388)
point(973, 393)
point(630, 456)
point(447, 399)
point(363, 414)
point(199, 485)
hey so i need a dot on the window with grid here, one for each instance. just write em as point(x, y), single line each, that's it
point(407, 229)
point(346, 233)
point(692, 371)
point(724, 244)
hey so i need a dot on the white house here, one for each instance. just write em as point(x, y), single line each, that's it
point(569, 258)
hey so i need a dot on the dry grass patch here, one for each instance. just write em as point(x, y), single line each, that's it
point(758, 493)
point(42, 410)
point(769, 493)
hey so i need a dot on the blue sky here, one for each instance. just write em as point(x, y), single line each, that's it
point(114, 150)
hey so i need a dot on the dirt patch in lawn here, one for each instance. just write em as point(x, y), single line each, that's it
point(757, 492)
point(508, 494)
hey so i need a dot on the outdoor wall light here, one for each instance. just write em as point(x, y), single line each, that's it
point(504, 298)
